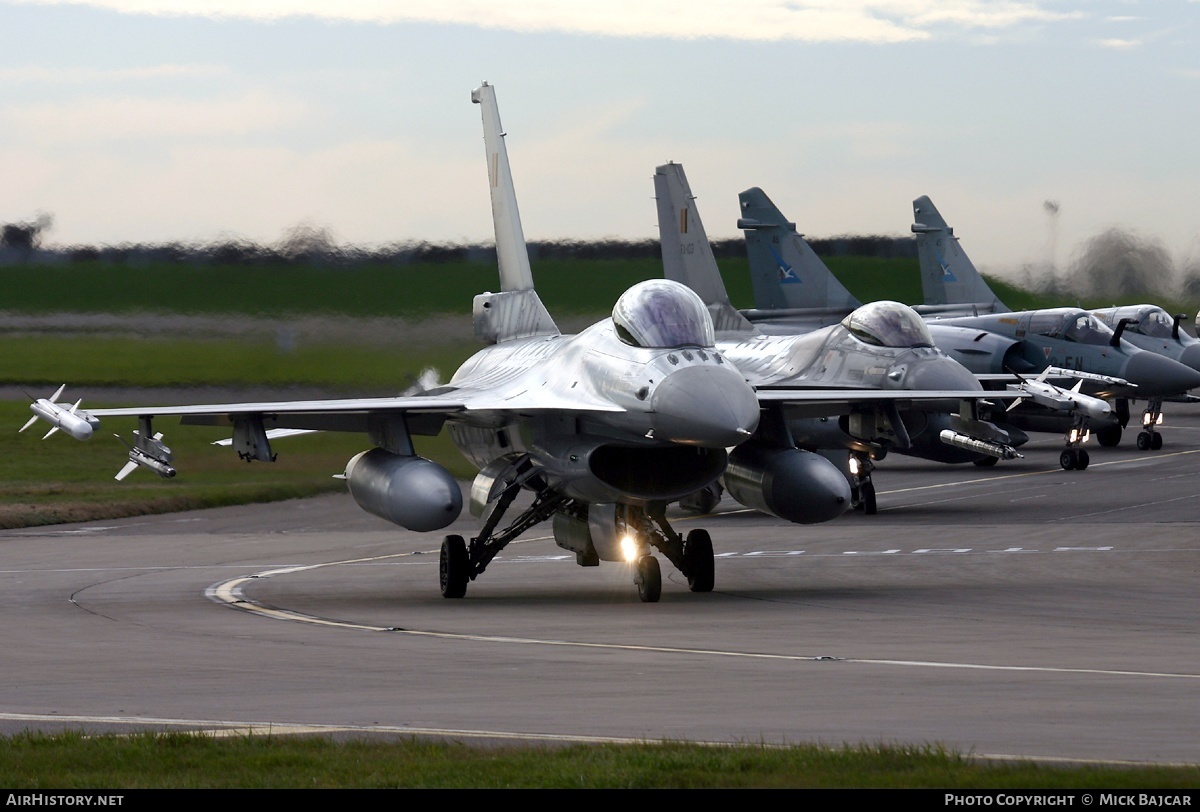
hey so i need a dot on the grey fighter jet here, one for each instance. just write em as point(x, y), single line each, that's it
point(602, 430)
point(990, 341)
point(1030, 341)
point(881, 346)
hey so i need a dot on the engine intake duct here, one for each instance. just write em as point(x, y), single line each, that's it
point(659, 473)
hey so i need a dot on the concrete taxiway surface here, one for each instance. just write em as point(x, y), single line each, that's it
point(1017, 610)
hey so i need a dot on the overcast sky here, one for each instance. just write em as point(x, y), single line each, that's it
point(157, 120)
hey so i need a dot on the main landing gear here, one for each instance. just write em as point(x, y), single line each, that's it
point(462, 562)
point(1149, 439)
point(642, 528)
point(862, 489)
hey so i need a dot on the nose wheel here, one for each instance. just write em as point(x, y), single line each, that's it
point(1149, 439)
point(648, 578)
point(1074, 459)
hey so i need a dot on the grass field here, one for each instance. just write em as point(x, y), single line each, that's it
point(412, 291)
point(63, 480)
point(73, 761)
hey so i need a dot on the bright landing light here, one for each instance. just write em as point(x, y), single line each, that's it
point(629, 548)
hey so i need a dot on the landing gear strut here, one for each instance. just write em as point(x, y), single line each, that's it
point(462, 562)
point(1149, 439)
point(862, 489)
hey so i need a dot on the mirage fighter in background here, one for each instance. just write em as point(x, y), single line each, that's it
point(994, 340)
point(1001, 348)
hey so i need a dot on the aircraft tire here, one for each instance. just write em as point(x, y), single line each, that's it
point(1144, 441)
point(1156, 442)
point(1109, 438)
point(1067, 459)
point(649, 579)
point(454, 567)
point(987, 462)
point(1082, 460)
point(868, 498)
point(698, 558)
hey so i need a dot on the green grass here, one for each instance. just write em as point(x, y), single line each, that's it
point(412, 291)
point(568, 287)
point(151, 362)
point(183, 760)
point(64, 480)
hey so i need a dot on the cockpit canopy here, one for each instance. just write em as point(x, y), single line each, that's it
point(663, 314)
point(888, 324)
point(1070, 324)
point(1154, 321)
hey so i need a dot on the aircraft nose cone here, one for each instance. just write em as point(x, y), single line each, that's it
point(1157, 375)
point(1191, 356)
point(709, 406)
point(940, 373)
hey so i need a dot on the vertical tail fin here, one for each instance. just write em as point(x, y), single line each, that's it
point(687, 256)
point(948, 277)
point(784, 270)
point(515, 312)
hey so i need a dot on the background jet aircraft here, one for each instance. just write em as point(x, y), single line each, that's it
point(1149, 327)
point(881, 346)
point(993, 346)
point(1032, 340)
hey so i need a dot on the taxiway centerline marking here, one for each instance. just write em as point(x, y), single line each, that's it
point(230, 593)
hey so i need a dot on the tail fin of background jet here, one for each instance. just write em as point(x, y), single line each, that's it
point(517, 311)
point(784, 270)
point(687, 256)
point(948, 276)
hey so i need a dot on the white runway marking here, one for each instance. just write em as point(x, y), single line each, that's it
point(230, 593)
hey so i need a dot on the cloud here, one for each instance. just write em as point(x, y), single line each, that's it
point(98, 119)
point(62, 75)
point(764, 20)
point(1119, 44)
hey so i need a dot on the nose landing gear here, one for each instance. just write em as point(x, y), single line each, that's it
point(1149, 439)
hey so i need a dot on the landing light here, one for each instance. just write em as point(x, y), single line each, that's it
point(854, 465)
point(629, 548)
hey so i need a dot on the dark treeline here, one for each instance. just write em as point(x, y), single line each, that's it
point(17, 245)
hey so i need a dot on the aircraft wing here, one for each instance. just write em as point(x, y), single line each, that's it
point(803, 402)
point(348, 414)
point(352, 414)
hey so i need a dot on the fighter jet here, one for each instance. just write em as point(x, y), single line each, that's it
point(883, 346)
point(603, 430)
point(992, 342)
point(1030, 341)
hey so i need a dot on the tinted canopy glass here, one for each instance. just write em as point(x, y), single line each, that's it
point(888, 324)
point(662, 313)
point(1154, 321)
point(1087, 329)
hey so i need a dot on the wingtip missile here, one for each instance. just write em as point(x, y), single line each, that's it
point(71, 419)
